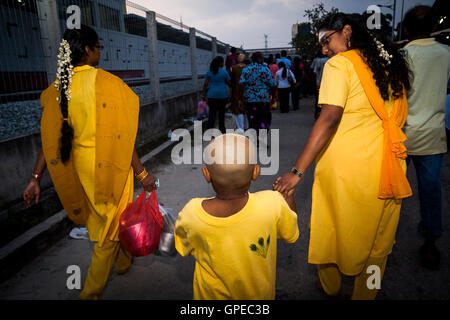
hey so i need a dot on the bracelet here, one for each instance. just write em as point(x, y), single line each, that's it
point(36, 175)
point(136, 174)
point(141, 176)
point(145, 176)
point(296, 172)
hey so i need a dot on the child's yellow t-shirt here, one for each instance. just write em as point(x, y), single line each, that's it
point(236, 256)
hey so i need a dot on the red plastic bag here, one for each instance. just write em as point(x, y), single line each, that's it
point(140, 225)
point(202, 109)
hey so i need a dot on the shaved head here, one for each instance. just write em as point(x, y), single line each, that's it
point(231, 160)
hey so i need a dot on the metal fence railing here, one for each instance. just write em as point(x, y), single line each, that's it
point(22, 69)
point(26, 62)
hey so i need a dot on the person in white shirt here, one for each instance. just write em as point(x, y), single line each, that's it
point(283, 79)
point(317, 66)
point(425, 129)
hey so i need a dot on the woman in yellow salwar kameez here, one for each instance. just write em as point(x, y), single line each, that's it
point(88, 130)
point(357, 141)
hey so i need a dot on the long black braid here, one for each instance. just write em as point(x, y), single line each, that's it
point(78, 39)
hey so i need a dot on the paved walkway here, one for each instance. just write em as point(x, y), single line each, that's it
point(155, 277)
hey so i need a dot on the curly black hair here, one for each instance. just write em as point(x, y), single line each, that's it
point(394, 76)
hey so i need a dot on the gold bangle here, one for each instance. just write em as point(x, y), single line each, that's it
point(137, 174)
point(142, 175)
point(145, 176)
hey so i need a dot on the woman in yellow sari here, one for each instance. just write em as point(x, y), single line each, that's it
point(88, 131)
point(360, 169)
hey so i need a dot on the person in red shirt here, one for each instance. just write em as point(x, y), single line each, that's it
point(273, 70)
point(231, 59)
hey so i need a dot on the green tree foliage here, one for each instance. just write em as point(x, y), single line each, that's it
point(316, 14)
point(306, 42)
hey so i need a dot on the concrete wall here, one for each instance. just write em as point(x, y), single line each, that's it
point(18, 155)
point(155, 120)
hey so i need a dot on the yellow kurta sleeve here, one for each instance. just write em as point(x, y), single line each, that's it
point(182, 243)
point(335, 86)
point(287, 226)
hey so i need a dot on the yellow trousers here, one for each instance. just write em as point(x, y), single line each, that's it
point(102, 261)
point(331, 279)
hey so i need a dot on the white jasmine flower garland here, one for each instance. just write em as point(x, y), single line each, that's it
point(383, 53)
point(64, 71)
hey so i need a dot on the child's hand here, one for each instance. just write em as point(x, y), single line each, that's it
point(286, 184)
point(289, 196)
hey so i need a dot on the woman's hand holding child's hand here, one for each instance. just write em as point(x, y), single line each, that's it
point(286, 184)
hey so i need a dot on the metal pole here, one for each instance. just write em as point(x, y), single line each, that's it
point(153, 56)
point(393, 19)
point(401, 21)
point(50, 35)
point(194, 67)
point(214, 47)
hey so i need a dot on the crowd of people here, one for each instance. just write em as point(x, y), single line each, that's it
point(258, 85)
point(380, 107)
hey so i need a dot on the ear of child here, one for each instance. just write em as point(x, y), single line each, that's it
point(256, 172)
point(206, 174)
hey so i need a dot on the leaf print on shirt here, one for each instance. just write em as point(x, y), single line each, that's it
point(262, 248)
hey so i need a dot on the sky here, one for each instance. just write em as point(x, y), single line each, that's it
point(244, 22)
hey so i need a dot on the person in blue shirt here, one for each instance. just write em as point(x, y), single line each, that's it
point(215, 92)
point(257, 84)
point(285, 60)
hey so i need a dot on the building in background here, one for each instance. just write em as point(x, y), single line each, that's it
point(123, 36)
point(122, 30)
point(300, 28)
point(22, 65)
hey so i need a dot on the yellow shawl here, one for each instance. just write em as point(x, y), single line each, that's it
point(117, 113)
point(393, 183)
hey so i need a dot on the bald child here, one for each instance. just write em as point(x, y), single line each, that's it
point(233, 236)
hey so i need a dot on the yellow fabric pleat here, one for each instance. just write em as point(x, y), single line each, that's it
point(103, 258)
point(103, 220)
point(331, 279)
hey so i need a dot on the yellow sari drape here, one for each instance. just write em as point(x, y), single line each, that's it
point(96, 184)
point(393, 182)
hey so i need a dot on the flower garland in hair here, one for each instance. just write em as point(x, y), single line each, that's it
point(65, 69)
point(383, 52)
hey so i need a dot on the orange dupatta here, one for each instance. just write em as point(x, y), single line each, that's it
point(393, 182)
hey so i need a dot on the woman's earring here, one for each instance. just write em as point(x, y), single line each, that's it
point(349, 45)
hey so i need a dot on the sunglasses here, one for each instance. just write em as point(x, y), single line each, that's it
point(326, 40)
